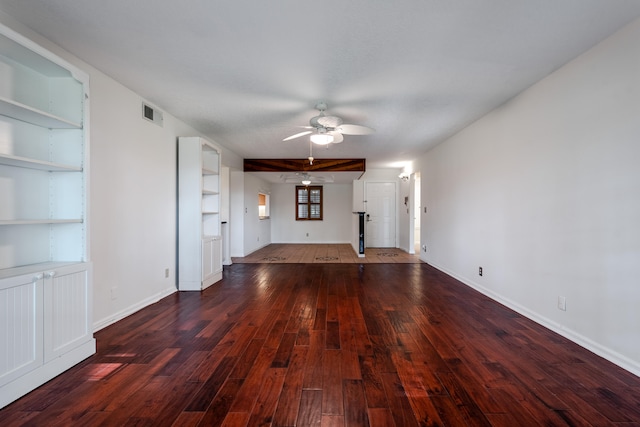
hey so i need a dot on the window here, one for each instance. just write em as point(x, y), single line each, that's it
point(263, 206)
point(308, 202)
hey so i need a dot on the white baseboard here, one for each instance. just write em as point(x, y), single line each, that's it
point(594, 347)
point(113, 318)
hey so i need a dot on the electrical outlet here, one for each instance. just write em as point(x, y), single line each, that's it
point(166, 272)
point(307, 234)
point(562, 303)
point(479, 271)
point(424, 248)
point(114, 293)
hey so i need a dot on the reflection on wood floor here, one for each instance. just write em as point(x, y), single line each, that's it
point(326, 253)
point(397, 345)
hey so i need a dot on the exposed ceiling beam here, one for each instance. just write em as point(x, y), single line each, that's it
point(302, 165)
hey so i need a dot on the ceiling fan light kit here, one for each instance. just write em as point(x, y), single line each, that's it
point(321, 138)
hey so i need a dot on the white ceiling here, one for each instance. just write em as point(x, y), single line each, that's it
point(248, 73)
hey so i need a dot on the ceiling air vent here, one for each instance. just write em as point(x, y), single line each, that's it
point(151, 114)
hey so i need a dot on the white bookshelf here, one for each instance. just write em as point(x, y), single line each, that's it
point(45, 273)
point(199, 224)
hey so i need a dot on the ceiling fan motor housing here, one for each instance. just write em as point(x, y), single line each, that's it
point(323, 121)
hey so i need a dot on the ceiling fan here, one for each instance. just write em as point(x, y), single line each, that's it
point(329, 129)
point(306, 179)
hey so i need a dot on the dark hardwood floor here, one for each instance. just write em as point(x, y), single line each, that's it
point(333, 345)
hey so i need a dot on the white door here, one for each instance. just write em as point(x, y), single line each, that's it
point(380, 216)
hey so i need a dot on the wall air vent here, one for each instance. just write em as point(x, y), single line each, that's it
point(151, 114)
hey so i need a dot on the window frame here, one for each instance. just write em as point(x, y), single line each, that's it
point(264, 207)
point(309, 203)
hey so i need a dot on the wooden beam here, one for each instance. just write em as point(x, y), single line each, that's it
point(302, 165)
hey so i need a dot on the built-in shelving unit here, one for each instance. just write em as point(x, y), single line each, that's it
point(45, 273)
point(199, 226)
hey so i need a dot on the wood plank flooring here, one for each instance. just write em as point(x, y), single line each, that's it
point(332, 345)
point(325, 253)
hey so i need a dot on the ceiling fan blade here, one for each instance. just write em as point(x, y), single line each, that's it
point(297, 135)
point(337, 137)
point(354, 130)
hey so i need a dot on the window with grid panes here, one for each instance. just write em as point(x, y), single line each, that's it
point(308, 202)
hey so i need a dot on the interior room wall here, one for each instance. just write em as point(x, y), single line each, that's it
point(334, 228)
point(236, 212)
point(257, 232)
point(355, 233)
point(405, 232)
point(381, 175)
point(133, 202)
point(543, 194)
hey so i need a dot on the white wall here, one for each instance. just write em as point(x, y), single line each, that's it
point(355, 233)
point(133, 199)
point(257, 232)
point(405, 225)
point(544, 194)
point(236, 212)
point(334, 228)
point(381, 175)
